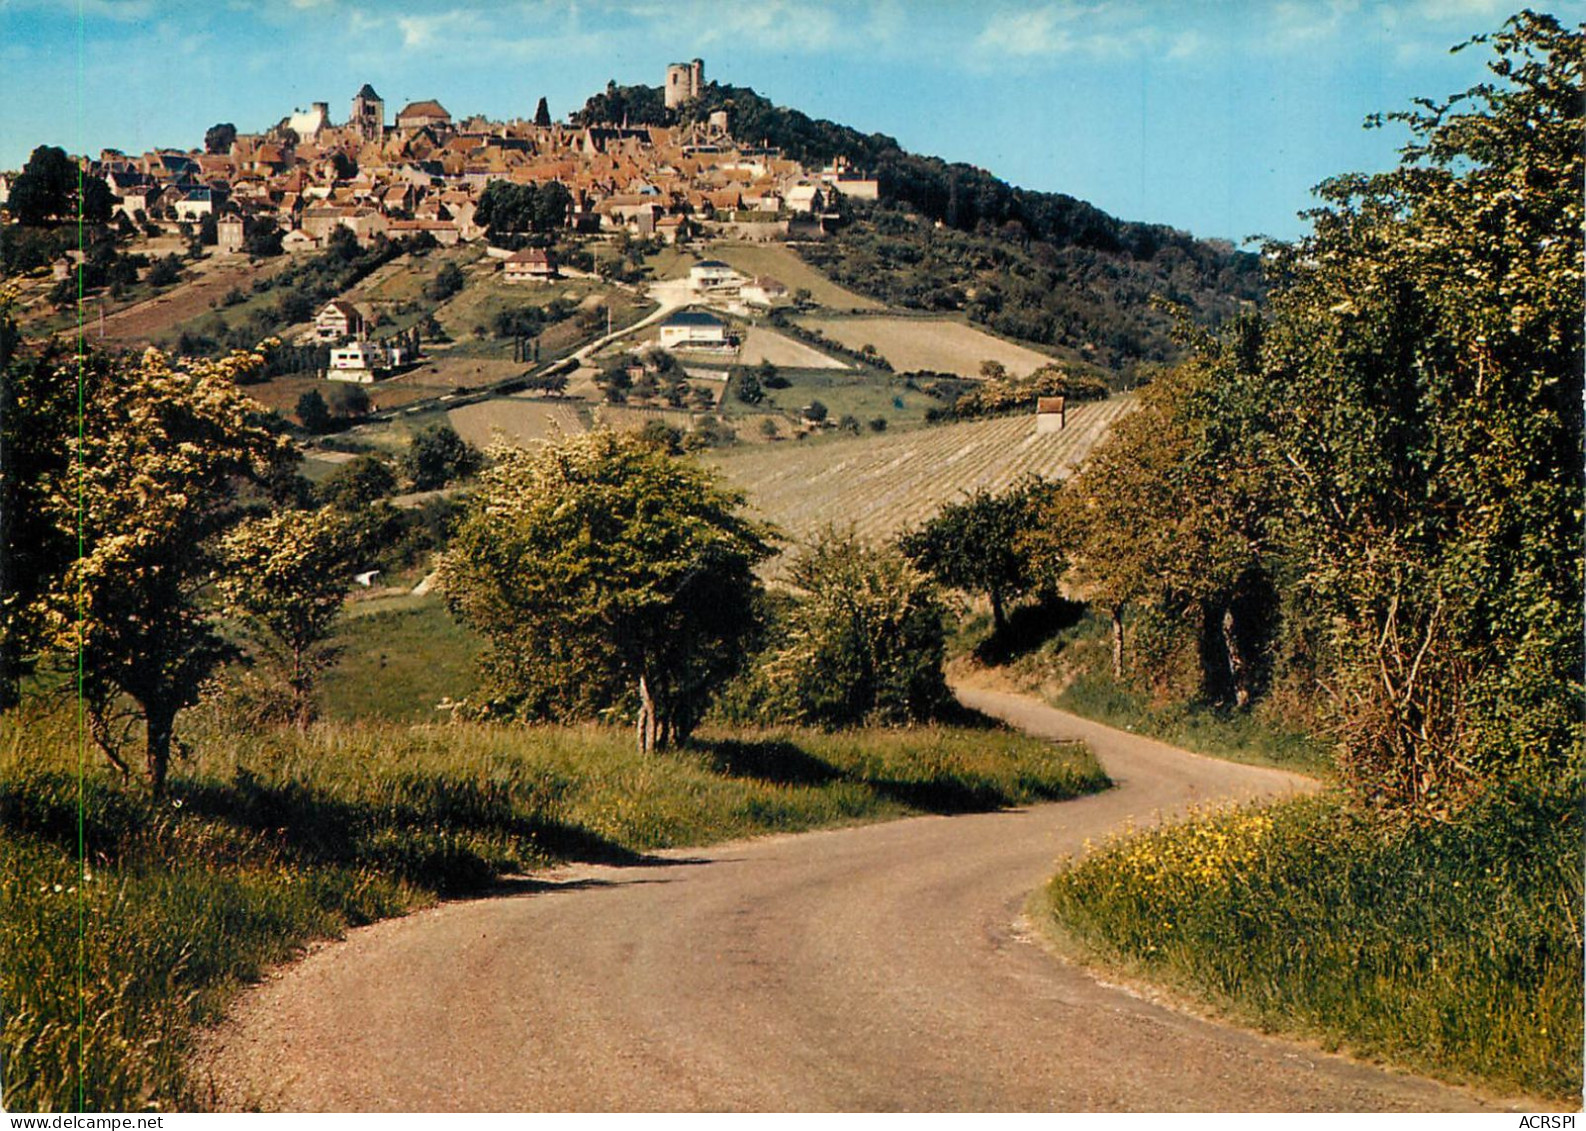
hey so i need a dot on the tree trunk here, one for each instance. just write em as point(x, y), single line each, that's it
point(646, 726)
point(10, 674)
point(157, 750)
point(1238, 669)
point(1117, 642)
point(999, 621)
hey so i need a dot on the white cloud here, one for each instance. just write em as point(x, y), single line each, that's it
point(423, 31)
point(1458, 11)
point(1186, 45)
point(1099, 32)
point(1300, 23)
point(1022, 34)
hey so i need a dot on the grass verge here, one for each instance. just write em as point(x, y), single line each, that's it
point(1238, 736)
point(1453, 949)
point(1061, 651)
point(126, 924)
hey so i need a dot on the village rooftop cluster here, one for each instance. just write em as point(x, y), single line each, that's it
point(424, 173)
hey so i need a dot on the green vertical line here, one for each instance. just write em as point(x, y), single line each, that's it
point(82, 855)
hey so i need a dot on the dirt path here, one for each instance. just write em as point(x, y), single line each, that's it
point(871, 968)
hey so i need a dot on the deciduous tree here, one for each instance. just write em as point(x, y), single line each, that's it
point(284, 577)
point(38, 415)
point(358, 483)
point(51, 188)
point(607, 577)
point(219, 137)
point(865, 639)
point(1394, 447)
point(980, 544)
point(154, 470)
point(1428, 339)
point(438, 455)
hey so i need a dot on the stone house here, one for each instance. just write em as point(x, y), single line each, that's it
point(193, 205)
point(531, 265)
point(297, 241)
point(1051, 414)
point(419, 115)
point(230, 230)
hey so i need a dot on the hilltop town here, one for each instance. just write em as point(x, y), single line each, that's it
point(421, 171)
point(617, 204)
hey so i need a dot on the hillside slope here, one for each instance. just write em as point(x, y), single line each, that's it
point(1041, 266)
point(886, 484)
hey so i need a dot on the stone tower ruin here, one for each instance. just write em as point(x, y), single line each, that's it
point(684, 82)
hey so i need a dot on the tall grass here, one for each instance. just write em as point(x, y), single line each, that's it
point(1451, 948)
point(110, 959)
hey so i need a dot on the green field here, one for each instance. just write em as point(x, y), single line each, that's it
point(670, 262)
point(860, 395)
point(399, 659)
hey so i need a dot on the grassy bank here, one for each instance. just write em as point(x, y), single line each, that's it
point(399, 657)
point(107, 966)
point(1453, 949)
point(1063, 653)
point(1239, 736)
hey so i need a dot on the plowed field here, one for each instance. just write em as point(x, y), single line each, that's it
point(514, 421)
point(886, 484)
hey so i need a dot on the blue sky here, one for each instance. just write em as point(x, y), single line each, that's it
point(1216, 116)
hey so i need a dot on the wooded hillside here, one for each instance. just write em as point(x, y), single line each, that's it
point(1042, 266)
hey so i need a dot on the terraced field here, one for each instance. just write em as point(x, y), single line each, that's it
point(886, 484)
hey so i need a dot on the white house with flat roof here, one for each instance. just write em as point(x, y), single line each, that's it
point(361, 362)
point(712, 275)
point(694, 330)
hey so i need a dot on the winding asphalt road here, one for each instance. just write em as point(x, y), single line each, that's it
point(872, 968)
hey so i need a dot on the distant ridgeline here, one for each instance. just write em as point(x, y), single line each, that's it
point(1041, 266)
